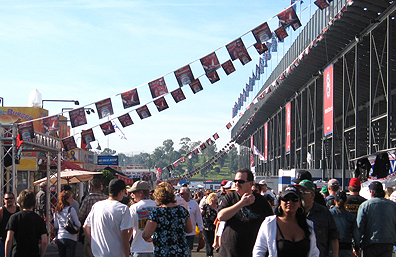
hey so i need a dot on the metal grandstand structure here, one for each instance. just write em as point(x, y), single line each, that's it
point(8, 156)
point(358, 38)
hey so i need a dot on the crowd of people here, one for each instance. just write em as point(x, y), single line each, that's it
point(241, 219)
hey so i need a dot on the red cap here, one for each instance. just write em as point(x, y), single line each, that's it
point(354, 182)
point(224, 182)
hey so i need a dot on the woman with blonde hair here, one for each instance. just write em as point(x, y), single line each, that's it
point(209, 214)
point(66, 242)
point(168, 224)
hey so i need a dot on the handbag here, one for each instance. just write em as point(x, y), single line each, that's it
point(70, 226)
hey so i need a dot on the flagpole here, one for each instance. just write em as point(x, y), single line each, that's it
point(108, 138)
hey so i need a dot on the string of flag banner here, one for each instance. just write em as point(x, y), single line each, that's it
point(159, 90)
point(259, 68)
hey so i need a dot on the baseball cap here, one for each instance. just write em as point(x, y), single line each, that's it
point(223, 183)
point(228, 185)
point(117, 184)
point(324, 190)
point(355, 182)
point(139, 185)
point(308, 184)
point(290, 189)
point(333, 182)
point(341, 196)
point(301, 175)
point(263, 182)
point(66, 188)
point(377, 186)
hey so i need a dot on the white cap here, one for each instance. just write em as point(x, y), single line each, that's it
point(263, 182)
point(228, 185)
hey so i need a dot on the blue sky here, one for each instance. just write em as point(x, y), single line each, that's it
point(92, 50)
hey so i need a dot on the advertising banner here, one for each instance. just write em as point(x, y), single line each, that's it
point(288, 127)
point(108, 160)
point(266, 141)
point(328, 100)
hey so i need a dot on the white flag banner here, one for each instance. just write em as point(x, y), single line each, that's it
point(118, 131)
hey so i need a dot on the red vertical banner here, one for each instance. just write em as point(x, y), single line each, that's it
point(288, 127)
point(251, 143)
point(328, 100)
point(266, 141)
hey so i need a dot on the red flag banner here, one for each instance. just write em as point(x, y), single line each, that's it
point(289, 18)
point(183, 160)
point(184, 76)
point(228, 67)
point(209, 141)
point(161, 104)
point(69, 143)
point(213, 77)
point(196, 86)
point(262, 33)
point(281, 33)
point(104, 108)
point(228, 125)
point(328, 100)
point(158, 87)
point(143, 112)
point(237, 49)
point(189, 155)
point(51, 124)
point(210, 63)
point(195, 151)
point(261, 48)
point(125, 120)
point(130, 98)
point(216, 136)
point(26, 130)
point(77, 117)
point(178, 95)
point(288, 127)
point(87, 136)
point(107, 128)
point(175, 164)
point(322, 4)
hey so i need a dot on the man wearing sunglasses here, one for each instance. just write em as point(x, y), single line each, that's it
point(6, 211)
point(243, 211)
point(324, 225)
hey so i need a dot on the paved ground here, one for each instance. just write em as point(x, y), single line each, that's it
point(52, 250)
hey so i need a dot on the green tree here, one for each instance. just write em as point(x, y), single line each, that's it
point(108, 151)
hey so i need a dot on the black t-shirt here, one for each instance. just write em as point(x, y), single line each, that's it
point(28, 227)
point(353, 203)
point(4, 221)
point(241, 230)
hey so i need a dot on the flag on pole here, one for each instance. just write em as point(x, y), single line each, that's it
point(118, 131)
point(251, 160)
point(257, 152)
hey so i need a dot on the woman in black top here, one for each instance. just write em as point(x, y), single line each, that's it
point(209, 213)
point(288, 232)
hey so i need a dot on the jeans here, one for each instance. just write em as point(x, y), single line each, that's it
point(209, 240)
point(378, 250)
point(66, 247)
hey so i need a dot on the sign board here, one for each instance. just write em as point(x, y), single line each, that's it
point(107, 160)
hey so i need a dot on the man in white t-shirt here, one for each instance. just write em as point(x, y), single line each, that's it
point(195, 215)
point(107, 225)
point(140, 192)
point(264, 190)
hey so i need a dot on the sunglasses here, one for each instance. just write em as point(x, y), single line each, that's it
point(9, 198)
point(240, 181)
point(294, 199)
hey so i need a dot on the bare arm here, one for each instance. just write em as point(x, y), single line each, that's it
point(227, 213)
point(334, 247)
point(44, 244)
point(8, 242)
point(189, 226)
point(149, 230)
point(125, 241)
point(87, 231)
